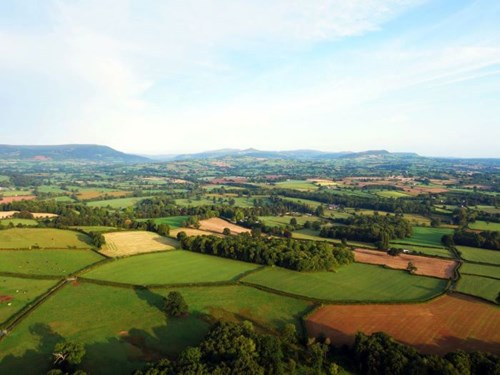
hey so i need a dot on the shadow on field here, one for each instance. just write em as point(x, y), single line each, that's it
point(33, 361)
point(153, 299)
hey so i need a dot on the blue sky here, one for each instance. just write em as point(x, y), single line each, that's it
point(164, 77)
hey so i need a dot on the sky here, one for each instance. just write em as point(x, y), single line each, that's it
point(163, 77)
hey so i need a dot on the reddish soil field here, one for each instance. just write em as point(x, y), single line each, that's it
point(6, 298)
point(443, 325)
point(426, 266)
point(18, 198)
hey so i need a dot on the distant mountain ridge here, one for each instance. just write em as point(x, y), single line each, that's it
point(292, 154)
point(87, 152)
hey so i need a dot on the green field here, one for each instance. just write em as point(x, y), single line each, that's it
point(391, 194)
point(423, 236)
point(475, 254)
point(172, 267)
point(480, 269)
point(483, 225)
point(356, 282)
point(46, 262)
point(125, 327)
point(28, 222)
point(172, 221)
point(14, 193)
point(483, 287)
point(24, 238)
point(281, 221)
point(313, 235)
point(88, 229)
point(193, 202)
point(297, 185)
point(22, 291)
point(116, 203)
point(441, 252)
point(50, 189)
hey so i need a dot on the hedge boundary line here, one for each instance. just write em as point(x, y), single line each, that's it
point(485, 276)
point(156, 286)
point(22, 314)
point(488, 301)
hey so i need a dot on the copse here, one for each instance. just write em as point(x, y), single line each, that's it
point(287, 253)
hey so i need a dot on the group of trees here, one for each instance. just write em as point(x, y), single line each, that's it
point(379, 229)
point(287, 253)
point(485, 239)
point(232, 348)
point(162, 229)
point(380, 354)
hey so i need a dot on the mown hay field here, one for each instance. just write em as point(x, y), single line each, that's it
point(46, 262)
point(25, 238)
point(135, 242)
point(443, 325)
point(171, 267)
point(356, 282)
point(436, 267)
point(217, 225)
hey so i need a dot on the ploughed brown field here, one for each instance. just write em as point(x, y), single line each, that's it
point(443, 325)
point(217, 225)
point(442, 268)
point(17, 198)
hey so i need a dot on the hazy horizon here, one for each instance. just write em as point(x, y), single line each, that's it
point(170, 77)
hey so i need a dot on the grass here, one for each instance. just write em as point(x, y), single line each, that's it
point(96, 228)
point(441, 252)
point(172, 221)
point(281, 221)
point(480, 269)
point(300, 185)
point(356, 282)
point(116, 203)
point(313, 235)
point(391, 194)
point(483, 225)
point(24, 238)
point(474, 254)
point(46, 262)
point(28, 222)
point(22, 291)
point(14, 193)
point(479, 286)
point(124, 328)
point(172, 267)
point(423, 236)
point(193, 202)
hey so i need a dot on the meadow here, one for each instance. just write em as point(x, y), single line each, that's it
point(14, 222)
point(478, 286)
point(356, 283)
point(483, 225)
point(116, 203)
point(481, 270)
point(173, 267)
point(46, 262)
point(475, 254)
point(25, 238)
point(124, 328)
point(423, 236)
point(172, 221)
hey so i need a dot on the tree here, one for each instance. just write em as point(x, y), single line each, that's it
point(226, 231)
point(411, 267)
point(175, 305)
point(293, 221)
point(68, 353)
point(289, 334)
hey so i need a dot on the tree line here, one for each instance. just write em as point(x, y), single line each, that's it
point(287, 253)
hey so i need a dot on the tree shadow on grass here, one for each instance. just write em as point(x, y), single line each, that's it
point(33, 361)
point(153, 299)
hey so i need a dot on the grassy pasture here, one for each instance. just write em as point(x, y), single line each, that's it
point(50, 189)
point(124, 328)
point(135, 242)
point(116, 203)
point(301, 185)
point(392, 194)
point(15, 222)
point(483, 287)
point(24, 238)
point(483, 225)
point(481, 270)
point(193, 202)
point(475, 254)
point(489, 209)
point(281, 221)
point(312, 235)
point(309, 202)
point(442, 252)
point(424, 236)
point(170, 268)
point(172, 221)
point(96, 228)
point(15, 193)
point(22, 291)
point(356, 282)
point(46, 262)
